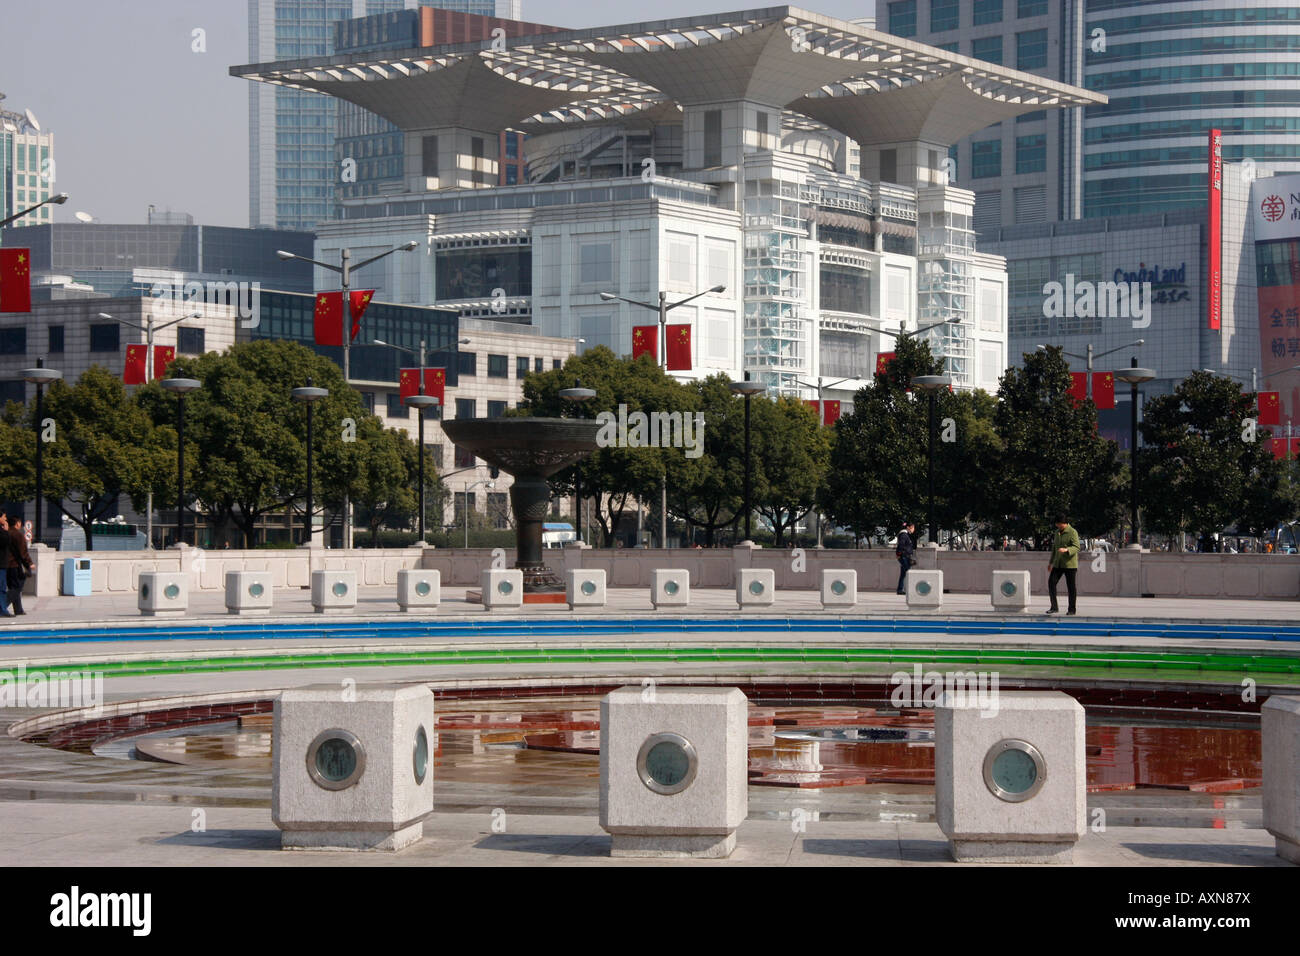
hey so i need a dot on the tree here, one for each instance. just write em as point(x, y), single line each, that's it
point(612, 476)
point(1052, 459)
point(104, 446)
point(387, 492)
point(1203, 467)
point(706, 491)
point(791, 452)
point(250, 436)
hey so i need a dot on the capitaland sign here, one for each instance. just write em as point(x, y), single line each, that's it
point(1154, 274)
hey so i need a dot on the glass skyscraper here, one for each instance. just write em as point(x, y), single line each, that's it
point(293, 169)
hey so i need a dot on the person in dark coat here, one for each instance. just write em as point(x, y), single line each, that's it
point(18, 564)
point(904, 551)
point(6, 547)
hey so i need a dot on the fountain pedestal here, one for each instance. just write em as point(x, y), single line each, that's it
point(530, 450)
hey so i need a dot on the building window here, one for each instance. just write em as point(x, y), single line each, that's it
point(464, 458)
point(189, 341)
point(437, 455)
point(1031, 8)
point(396, 407)
point(902, 18)
point(986, 159)
point(512, 175)
point(712, 138)
point(476, 151)
point(368, 399)
point(498, 366)
point(106, 337)
point(537, 364)
point(13, 341)
point(512, 145)
point(467, 364)
point(463, 499)
point(466, 407)
point(596, 262)
point(429, 157)
point(944, 15)
point(56, 338)
point(988, 49)
point(497, 409)
point(521, 366)
point(1031, 153)
point(1031, 50)
point(555, 363)
point(988, 11)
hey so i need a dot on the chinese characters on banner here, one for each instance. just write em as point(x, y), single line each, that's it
point(1214, 235)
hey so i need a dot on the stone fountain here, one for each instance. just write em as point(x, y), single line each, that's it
point(531, 450)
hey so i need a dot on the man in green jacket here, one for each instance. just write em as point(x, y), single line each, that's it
point(1064, 561)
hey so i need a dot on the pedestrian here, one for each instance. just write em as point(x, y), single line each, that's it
point(904, 551)
point(4, 561)
point(17, 566)
point(1063, 562)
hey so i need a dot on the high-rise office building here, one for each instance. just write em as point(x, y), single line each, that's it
point(26, 167)
point(1172, 71)
point(293, 170)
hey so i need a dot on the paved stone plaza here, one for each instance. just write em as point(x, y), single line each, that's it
point(59, 807)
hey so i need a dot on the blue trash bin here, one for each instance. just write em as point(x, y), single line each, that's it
point(76, 577)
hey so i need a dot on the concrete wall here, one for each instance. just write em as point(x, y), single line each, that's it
point(1125, 574)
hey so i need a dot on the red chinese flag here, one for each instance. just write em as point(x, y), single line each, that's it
point(133, 370)
point(1103, 389)
point(1078, 386)
point(645, 341)
point(812, 403)
point(327, 321)
point(163, 355)
point(435, 383)
point(357, 301)
point(679, 348)
point(408, 383)
point(882, 361)
point(1269, 408)
point(1279, 447)
point(830, 412)
point(1295, 447)
point(15, 280)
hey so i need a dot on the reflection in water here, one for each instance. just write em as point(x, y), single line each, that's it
point(811, 747)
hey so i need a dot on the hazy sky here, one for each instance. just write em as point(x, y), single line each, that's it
point(139, 117)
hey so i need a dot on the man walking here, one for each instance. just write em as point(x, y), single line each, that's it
point(904, 551)
point(1064, 561)
point(5, 548)
point(18, 565)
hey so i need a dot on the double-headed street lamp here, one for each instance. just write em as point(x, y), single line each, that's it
point(1134, 376)
point(932, 385)
point(180, 387)
point(40, 376)
point(309, 396)
point(344, 269)
point(662, 307)
point(58, 200)
point(821, 419)
point(577, 395)
point(149, 329)
point(749, 390)
point(1091, 355)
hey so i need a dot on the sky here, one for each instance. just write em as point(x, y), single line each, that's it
point(140, 116)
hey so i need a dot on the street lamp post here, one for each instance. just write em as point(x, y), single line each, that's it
point(1134, 376)
point(421, 402)
point(40, 376)
point(749, 390)
point(821, 418)
point(180, 387)
point(344, 270)
point(662, 307)
point(58, 200)
point(577, 395)
point(149, 329)
point(1091, 355)
point(309, 396)
point(931, 384)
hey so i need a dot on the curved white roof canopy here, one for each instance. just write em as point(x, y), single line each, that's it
point(872, 86)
